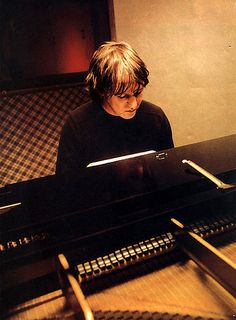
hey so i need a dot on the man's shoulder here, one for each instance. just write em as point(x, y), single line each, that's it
point(83, 112)
point(150, 108)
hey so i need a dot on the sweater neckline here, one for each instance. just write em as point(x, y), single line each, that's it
point(116, 119)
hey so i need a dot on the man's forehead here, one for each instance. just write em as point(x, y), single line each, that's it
point(133, 89)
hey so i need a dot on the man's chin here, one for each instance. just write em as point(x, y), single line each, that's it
point(128, 115)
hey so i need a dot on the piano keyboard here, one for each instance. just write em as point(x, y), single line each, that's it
point(213, 226)
point(149, 248)
point(126, 256)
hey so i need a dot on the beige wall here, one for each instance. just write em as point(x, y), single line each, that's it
point(189, 47)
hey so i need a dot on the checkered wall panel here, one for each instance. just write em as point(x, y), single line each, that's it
point(30, 129)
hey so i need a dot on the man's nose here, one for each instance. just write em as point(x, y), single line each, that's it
point(132, 102)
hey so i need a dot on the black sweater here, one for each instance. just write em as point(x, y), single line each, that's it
point(91, 134)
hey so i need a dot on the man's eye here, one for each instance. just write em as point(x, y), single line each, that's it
point(137, 93)
point(122, 97)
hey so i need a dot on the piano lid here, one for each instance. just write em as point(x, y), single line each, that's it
point(165, 169)
point(161, 174)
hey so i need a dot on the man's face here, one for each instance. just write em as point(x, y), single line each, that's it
point(125, 105)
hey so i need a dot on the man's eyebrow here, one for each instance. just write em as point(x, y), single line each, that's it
point(135, 92)
point(123, 95)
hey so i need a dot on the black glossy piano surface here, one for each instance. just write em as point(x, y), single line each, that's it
point(112, 222)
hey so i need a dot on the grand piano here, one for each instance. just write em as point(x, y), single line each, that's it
point(151, 236)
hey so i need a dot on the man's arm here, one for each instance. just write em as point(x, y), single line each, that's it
point(69, 159)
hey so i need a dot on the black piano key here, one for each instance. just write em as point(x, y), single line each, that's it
point(81, 271)
point(95, 267)
point(155, 244)
point(171, 238)
point(101, 264)
point(143, 248)
point(138, 250)
point(164, 243)
point(125, 254)
point(149, 246)
point(113, 259)
point(119, 257)
point(132, 252)
point(88, 269)
point(107, 262)
point(160, 244)
point(196, 230)
point(206, 229)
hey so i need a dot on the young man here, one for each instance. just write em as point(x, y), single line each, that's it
point(117, 121)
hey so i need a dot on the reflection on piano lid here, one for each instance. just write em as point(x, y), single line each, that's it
point(130, 156)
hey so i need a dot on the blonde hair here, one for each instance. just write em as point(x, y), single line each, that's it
point(114, 68)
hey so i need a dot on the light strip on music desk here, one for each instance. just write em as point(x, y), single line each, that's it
point(99, 163)
point(8, 207)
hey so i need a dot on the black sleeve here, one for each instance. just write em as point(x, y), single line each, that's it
point(167, 139)
point(161, 128)
point(69, 160)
